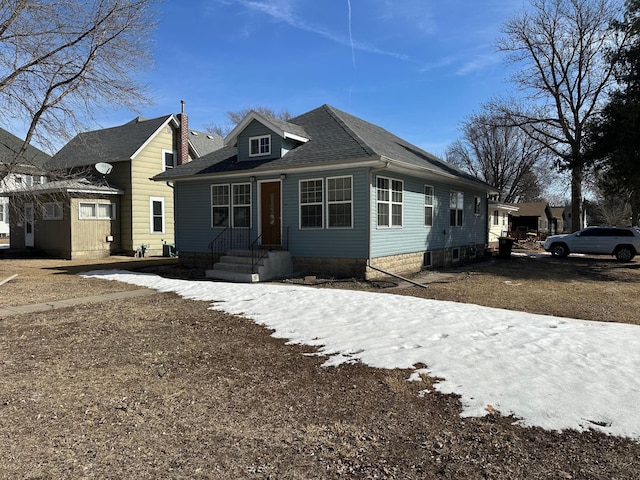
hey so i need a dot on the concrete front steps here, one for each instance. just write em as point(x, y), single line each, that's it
point(236, 266)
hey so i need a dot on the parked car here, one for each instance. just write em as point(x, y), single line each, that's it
point(623, 242)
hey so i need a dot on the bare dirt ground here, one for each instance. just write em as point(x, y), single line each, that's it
point(161, 387)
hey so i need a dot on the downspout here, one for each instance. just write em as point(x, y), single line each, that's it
point(372, 174)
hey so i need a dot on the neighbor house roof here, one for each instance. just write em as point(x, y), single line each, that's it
point(121, 143)
point(532, 209)
point(10, 145)
point(88, 186)
point(333, 137)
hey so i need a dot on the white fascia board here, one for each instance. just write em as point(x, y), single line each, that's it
point(170, 118)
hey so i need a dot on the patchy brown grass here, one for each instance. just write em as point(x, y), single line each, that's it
point(162, 387)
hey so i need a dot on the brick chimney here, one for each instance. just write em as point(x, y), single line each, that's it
point(183, 136)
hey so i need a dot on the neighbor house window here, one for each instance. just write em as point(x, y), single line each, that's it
point(168, 160)
point(3, 213)
point(477, 205)
point(260, 145)
point(52, 211)
point(241, 204)
point(456, 208)
point(97, 211)
point(231, 205)
point(339, 202)
point(496, 217)
point(156, 217)
point(311, 204)
point(389, 202)
point(428, 206)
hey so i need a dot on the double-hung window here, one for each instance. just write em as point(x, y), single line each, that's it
point(260, 145)
point(168, 160)
point(456, 208)
point(339, 202)
point(389, 202)
point(311, 204)
point(496, 217)
point(477, 205)
point(428, 206)
point(156, 218)
point(231, 205)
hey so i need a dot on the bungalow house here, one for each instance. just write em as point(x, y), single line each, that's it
point(323, 193)
point(106, 202)
point(15, 172)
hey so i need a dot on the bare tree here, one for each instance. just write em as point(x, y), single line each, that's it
point(61, 60)
point(236, 116)
point(560, 47)
point(502, 156)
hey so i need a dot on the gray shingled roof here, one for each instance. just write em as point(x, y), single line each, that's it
point(115, 144)
point(10, 145)
point(205, 143)
point(335, 136)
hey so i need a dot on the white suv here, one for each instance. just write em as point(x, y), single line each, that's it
point(623, 242)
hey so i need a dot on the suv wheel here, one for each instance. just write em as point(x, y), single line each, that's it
point(559, 250)
point(625, 254)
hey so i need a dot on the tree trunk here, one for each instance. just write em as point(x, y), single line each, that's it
point(577, 175)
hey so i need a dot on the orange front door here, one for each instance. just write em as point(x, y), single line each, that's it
point(270, 221)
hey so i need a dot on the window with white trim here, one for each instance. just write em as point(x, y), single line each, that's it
point(231, 205)
point(339, 202)
point(97, 211)
point(389, 202)
point(52, 211)
point(311, 203)
point(260, 145)
point(496, 217)
point(428, 206)
point(168, 160)
point(241, 203)
point(477, 205)
point(4, 208)
point(456, 208)
point(156, 214)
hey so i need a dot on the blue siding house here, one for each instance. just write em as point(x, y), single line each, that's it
point(325, 193)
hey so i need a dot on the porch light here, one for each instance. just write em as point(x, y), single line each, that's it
point(283, 176)
point(252, 179)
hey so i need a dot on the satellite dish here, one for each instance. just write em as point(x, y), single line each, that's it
point(104, 168)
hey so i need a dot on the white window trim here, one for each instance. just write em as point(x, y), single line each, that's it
point(232, 204)
point(432, 205)
point(259, 154)
point(164, 163)
point(456, 209)
point(321, 203)
point(390, 202)
point(151, 217)
point(57, 211)
point(229, 205)
point(113, 211)
point(338, 202)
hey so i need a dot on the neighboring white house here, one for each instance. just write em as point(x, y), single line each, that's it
point(499, 221)
point(27, 173)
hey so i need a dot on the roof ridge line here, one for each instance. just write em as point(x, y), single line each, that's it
point(333, 112)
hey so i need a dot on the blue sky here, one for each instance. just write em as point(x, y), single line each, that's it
point(414, 67)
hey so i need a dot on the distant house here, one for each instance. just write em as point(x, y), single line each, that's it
point(325, 193)
point(106, 202)
point(499, 223)
point(538, 218)
point(25, 171)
